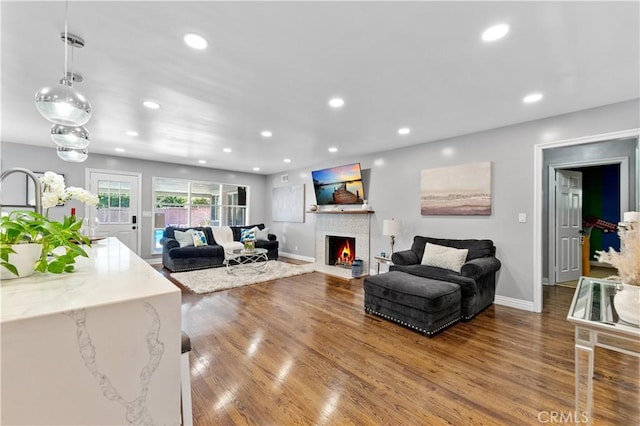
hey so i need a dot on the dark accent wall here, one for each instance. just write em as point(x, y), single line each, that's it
point(601, 198)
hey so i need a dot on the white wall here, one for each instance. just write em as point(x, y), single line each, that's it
point(43, 159)
point(394, 189)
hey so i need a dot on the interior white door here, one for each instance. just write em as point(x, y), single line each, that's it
point(568, 225)
point(116, 215)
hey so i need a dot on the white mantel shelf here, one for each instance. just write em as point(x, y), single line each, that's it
point(76, 346)
point(341, 211)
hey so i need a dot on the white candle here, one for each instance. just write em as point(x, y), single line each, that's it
point(631, 217)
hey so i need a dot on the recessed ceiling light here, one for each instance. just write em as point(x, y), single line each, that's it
point(495, 33)
point(195, 41)
point(533, 97)
point(287, 160)
point(336, 102)
point(131, 133)
point(333, 149)
point(202, 161)
point(227, 150)
point(256, 169)
point(119, 149)
point(404, 131)
point(151, 104)
point(266, 134)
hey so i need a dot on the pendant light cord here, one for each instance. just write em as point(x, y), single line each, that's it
point(66, 37)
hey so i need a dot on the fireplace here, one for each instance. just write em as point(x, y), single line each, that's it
point(354, 224)
point(341, 251)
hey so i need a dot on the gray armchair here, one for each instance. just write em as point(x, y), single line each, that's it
point(477, 278)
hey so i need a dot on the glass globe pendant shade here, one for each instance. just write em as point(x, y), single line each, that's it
point(73, 155)
point(70, 136)
point(63, 105)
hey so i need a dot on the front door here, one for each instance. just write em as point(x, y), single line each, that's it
point(568, 225)
point(116, 214)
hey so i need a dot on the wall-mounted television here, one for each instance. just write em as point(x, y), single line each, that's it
point(338, 185)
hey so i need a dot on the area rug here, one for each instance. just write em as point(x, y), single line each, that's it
point(216, 279)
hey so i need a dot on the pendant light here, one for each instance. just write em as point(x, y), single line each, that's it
point(63, 104)
point(73, 155)
point(70, 136)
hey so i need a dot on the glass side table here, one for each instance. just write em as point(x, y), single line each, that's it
point(382, 259)
point(597, 324)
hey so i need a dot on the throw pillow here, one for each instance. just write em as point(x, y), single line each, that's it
point(262, 234)
point(444, 257)
point(199, 238)
point(184, 238)
point(247, 234)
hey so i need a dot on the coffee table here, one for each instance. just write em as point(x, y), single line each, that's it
point(254, 260)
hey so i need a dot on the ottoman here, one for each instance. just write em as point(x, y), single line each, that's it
point(422, 304)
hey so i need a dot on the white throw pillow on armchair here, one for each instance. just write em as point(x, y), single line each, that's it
point(444, 257)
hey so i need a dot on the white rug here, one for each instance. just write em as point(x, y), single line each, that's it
point(216, 279)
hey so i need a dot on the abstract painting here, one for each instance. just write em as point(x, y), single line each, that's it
point(288, 203)
point(456, 190)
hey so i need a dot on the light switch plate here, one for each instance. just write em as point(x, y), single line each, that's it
point(522, 217)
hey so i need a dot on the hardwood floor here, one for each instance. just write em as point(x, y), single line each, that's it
point(301, 350)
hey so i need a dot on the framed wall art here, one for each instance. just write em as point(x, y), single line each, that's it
point(288, 203)
point(456, 190)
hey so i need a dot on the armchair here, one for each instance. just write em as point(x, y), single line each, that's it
point(477, 277)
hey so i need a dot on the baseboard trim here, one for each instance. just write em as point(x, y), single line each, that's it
point(524, 305)
point(297, 257)
point(154, 261)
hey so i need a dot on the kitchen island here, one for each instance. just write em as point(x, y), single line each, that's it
point(100, 345)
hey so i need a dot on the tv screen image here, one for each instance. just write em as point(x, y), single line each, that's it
point(338, 185)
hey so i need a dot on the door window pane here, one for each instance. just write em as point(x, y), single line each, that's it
point(114, 199)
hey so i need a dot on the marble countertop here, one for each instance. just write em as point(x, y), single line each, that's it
point(111, 274)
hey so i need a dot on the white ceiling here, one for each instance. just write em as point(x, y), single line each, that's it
point(275, 65)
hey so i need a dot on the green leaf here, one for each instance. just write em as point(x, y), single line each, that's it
point(56, 267)
point(10, 267)
point(41, 266)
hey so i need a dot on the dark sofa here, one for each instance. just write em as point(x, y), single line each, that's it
point(477, 278)
point(177, 259)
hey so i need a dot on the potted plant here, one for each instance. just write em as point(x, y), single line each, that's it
point(26, 233)
point(56, 244)
point(249, 244)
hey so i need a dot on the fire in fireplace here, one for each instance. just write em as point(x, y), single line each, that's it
point(341, 251)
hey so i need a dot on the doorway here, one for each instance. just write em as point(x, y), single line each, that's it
point(586, 221)
point(118, 211)
point(620, 147)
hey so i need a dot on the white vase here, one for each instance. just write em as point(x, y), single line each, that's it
point(627, 303)
point(365, 205)
point(24, 259)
